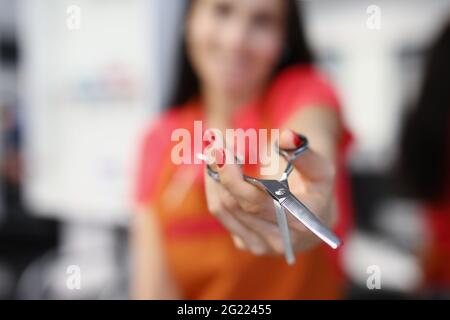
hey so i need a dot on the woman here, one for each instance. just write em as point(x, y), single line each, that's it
point(244, 64)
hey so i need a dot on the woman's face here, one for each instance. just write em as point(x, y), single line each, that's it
point(235, 44)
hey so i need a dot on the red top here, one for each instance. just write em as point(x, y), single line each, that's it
point(176, 194)
point(437, 255)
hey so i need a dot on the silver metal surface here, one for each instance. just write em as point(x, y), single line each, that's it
point(305, 216)
point(284, 232)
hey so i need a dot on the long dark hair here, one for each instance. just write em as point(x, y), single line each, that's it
point(425, 140)
point(296, 51)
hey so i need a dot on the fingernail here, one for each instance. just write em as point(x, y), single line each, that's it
point(296, 139)
point(219, 155)
point(209, 137)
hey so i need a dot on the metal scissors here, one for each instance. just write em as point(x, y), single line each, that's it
point(283, 200)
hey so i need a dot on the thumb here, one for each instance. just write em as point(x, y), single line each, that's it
point(309, 163)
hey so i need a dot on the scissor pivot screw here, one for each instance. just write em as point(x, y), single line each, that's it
point(280, 192)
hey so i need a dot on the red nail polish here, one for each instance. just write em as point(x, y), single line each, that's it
point(206, 144)
point(209, 137)
point(297, 140)
point(219, 155)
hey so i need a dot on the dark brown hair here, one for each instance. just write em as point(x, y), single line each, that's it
point(296, 51)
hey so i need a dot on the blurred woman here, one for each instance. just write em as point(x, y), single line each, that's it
point(244, 64)
point(425, 161)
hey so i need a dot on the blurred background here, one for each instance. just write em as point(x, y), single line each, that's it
point(78, 81)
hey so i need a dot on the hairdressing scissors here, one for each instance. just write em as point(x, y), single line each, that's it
point(284, 201)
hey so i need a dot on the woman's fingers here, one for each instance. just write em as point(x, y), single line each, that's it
point(243, 236)
point(265, 229)
point(268, 230)
point(310, 164)
point(239, 200)
point(226, 209)
point(250, 198)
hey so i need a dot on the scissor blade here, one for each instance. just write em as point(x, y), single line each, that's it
point(305, 216)
point(281, 193)
point(284, 232)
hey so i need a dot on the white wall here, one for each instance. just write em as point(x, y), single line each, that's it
point(369, 69)
point(87, 93)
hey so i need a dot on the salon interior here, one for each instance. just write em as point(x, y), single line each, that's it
point(80, 79)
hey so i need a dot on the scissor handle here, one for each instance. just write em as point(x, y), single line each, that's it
point(213, 173)
point(291, 154)
point(288, 154)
